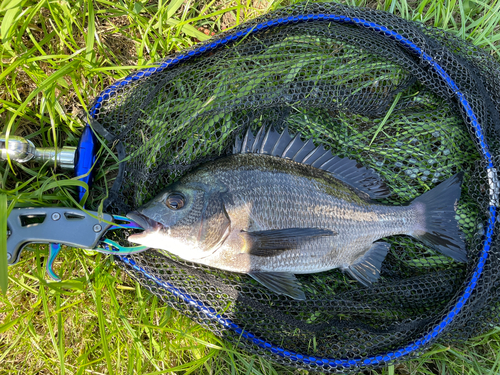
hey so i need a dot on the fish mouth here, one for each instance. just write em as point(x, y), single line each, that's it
point(143, 221)
point(146, 223)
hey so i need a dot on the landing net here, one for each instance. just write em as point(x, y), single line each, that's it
point(412, 102)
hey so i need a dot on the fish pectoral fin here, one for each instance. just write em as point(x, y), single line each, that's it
point(366, 268)
point(280, 283)
point(273, 242)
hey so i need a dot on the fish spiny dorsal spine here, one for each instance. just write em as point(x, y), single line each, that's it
point(286, 146)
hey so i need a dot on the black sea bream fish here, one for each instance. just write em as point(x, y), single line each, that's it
point(279, 206)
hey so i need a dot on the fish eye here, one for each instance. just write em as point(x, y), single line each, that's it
point(175, 201)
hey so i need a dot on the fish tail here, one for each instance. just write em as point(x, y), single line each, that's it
point(437, 226)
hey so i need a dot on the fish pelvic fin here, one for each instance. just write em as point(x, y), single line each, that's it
point(438, 227)
point(280, 283)
point(286, 146)
point(366, 269)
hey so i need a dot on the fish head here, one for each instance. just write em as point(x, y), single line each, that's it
point(188, 220)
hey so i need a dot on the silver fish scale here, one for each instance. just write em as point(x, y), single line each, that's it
point(279, 196)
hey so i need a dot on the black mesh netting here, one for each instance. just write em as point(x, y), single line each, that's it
point(364, 94)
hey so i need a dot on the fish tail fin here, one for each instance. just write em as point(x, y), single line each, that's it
point(438, 227)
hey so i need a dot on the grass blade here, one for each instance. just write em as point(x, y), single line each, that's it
point(102, 327)
point(188, 29)
point(90, 32)
point(384, 120)
point(173, 7)
point(8, 19)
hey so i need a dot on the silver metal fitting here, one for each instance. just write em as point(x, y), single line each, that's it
point(56, 216)
point(97, 228)
point(22, 150)
point(63, 158)
point(18, 148)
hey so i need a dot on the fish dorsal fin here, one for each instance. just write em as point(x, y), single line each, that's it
point(286, 146)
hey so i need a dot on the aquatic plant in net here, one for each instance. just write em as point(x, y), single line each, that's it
point(413, 103)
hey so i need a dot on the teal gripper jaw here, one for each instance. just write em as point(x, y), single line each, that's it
point(110, 246)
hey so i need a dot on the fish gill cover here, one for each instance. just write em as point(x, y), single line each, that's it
point(413, 103)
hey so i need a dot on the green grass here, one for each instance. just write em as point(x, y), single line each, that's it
point(55, 57)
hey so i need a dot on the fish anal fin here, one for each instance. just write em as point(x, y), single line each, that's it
point(366, 269)
point(280, 283)
point(275, 241)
